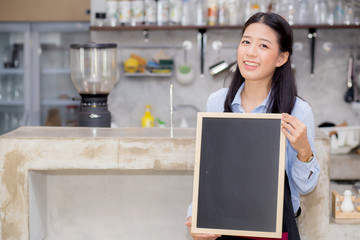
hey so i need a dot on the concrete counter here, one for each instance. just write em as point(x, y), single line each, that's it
point(86, 183)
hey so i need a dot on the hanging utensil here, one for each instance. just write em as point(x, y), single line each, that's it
point(312, 35)
point(349, 95)
point(185, 73)
point(220, 65)
point(202, 37)
point(356, 73)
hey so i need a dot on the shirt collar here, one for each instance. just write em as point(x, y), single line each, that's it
point(236, 103)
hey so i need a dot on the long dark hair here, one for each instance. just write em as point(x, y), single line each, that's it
point(283, 86)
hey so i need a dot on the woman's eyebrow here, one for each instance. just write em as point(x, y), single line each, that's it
point(262, 39)
point(266, 40)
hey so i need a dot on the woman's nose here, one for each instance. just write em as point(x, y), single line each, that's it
point(251, 50)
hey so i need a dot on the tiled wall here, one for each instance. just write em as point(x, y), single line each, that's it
point(325, 91)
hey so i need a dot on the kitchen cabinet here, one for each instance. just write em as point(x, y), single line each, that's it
point(53, 91)
point(35, 72)
point(44, 10)
point(14, 75)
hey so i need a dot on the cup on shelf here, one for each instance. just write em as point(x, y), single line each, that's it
point(17, 89)
point(8, 88)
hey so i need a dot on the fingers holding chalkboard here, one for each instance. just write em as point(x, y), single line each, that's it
point(296, 132)
point(200, 236)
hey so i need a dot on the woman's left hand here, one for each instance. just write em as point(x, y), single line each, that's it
point(296, 132)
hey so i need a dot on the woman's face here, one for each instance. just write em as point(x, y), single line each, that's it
point(259, 54)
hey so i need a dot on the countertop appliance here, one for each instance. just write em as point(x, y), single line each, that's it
point(94, 74)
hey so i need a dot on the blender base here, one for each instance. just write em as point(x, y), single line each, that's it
point(94, 117)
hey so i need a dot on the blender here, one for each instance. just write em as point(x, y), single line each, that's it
point(93, 74)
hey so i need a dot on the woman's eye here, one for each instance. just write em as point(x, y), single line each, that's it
point(263, 46)
point(245, 42)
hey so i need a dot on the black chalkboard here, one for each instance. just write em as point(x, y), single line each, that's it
point(239, 174)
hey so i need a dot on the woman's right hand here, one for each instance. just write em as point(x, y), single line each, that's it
point(200, 236)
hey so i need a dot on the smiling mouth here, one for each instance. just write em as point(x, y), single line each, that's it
point(252, 64)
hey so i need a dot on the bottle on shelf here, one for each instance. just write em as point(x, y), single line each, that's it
point(124, 12)
point(321, 12)
point(162, 12)
point(222, 12)
point(339, 12)
point(200, 20)
point(212, 12)
point(137, 12)
point(303, 12)
point(186, 13)
point(111, 13)
point(175, 12)
point(150, 12)
point(233, 12)
point(349, 12)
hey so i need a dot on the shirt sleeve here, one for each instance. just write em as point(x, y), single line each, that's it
point(305, 175)
point(215, 102)
point(189, 211)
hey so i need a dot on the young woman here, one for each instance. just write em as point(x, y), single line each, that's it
point(264, 83)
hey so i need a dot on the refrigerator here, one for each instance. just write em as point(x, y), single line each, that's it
point(35, 82)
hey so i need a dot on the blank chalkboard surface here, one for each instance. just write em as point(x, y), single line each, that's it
point(239, 175)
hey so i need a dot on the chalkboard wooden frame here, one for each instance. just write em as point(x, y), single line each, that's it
point(224, 126)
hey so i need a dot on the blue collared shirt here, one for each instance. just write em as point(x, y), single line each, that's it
point(300, 180)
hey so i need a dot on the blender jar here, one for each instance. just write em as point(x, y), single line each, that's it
point(93, 68)
point(94, 74)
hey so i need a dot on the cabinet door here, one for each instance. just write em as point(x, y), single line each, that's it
point(45, 10)
point(14, 76)
point(54, 92)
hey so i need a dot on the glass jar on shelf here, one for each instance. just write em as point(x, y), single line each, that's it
point(72, 116)
point(100, 18)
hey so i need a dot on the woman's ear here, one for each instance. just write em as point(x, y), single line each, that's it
point(283, 57)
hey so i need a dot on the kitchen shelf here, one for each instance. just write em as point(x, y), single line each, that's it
point(206, 27)
point(59, 102)
point(11, 71)
point(12, 103)
point(148, 74)
point(56, 71)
